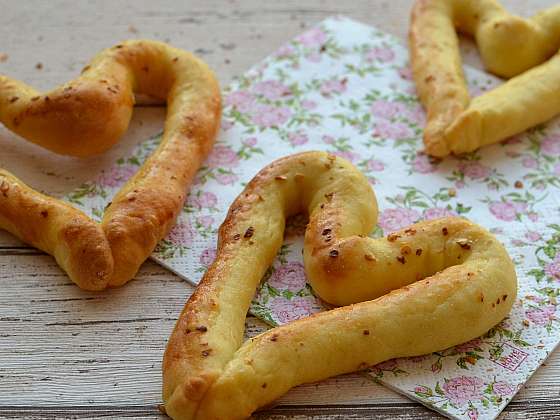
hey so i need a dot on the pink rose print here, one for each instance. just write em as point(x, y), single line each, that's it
point(463, 389)
point(469, 345)
point(473, 414)
point(422, 389)
point(298, 138)
point(552, 269)
point(181, 234)
point(551, 145)
point(333, 86)
point(395, 219)
point(348, 155)
point(205, 221)
point(506, 210)
point(226, 124)
point(530, 163)
point(226, 179)
point(293, 309)
point(474, 170)
point(266, 116)
point(271, 89)
point(382, 54)
point(309, 105)
point(222, 157)
point(532, 236)
point(285, 51)
point(290, 276)
point(207, 257)
point(243, 101)
point(416, 115)
point(503, 389)
point(313, 56)
point(422, 164)
point(375, 165)
point(541, 315)
point(116, 176)
point(437, 213)
point(315, 37)
point(250, 142)
point(392, 130)
point(386, 109)
point(204, 200)
point(328, 139)
point(405, 73)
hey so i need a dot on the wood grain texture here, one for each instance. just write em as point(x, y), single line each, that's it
point(65, 353)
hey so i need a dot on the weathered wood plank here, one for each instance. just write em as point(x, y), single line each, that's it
point(61, 348)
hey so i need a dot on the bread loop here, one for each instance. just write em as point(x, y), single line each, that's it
point(87, 116)
point(510, 47)
point(430, 286)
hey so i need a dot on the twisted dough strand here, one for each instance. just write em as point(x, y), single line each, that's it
point(98, 108)
point(469, 285)
point(510, 47)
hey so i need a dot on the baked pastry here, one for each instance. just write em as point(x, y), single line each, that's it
point(87, 116)
point(523, 50)
point(430, 286)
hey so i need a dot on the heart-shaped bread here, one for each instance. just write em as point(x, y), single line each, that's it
point(87, 116)
point(510, 47)
point(425, 288)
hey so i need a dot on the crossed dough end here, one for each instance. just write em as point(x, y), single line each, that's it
point(425, 288)
point(510, 47)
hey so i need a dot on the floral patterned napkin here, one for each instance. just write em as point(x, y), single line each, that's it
point(345, 87)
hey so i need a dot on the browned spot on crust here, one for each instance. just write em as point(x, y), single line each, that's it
point(366, 332)
point(237, 236)
point(274, 337)
point(206, 353)
point(392, 237)
point(326, 232)
point(482, 297)
point(45, 213)
point(249, 232)
point(333, 253)
point(445, 231)
point(14, 99)
point(280, 178)
point(202, 328)
point(419, 251)
point(401, 259)
point(405, 250)
point(370, 257)
point(410, 231)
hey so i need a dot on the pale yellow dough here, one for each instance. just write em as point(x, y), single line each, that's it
point(510, 47)
point(428, 287)
point(87, 116)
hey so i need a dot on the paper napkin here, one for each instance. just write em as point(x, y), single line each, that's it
point(346, 88)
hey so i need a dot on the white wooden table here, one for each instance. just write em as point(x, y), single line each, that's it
point(66, 353)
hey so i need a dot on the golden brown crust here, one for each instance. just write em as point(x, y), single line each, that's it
point(508, 45)
point(88, 115)
point(427, 279)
